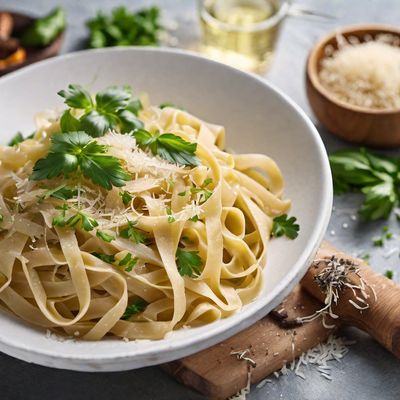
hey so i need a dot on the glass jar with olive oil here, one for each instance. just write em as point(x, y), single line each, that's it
point(241, 33)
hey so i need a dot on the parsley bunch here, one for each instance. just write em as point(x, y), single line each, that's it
point(124, 28)
point(112, 107)
point(77, 152)
point(377, 177)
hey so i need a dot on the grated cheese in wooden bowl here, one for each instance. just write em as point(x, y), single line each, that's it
point(364, 74)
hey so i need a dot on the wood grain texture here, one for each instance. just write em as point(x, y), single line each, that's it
point(217, 374)
point(382, 319)
point(378, 128)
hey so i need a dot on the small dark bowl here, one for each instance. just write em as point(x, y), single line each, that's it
point(22, 21)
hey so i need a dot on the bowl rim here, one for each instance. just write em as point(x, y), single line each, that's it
point(125, 358)
point(312, 68)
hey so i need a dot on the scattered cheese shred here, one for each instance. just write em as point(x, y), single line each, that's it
point(364, 74)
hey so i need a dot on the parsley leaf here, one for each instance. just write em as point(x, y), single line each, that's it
point(76, 97)
point(133, 233)
point(284, 226)
point(62, 192)
point(188, 262)
point(136, 307)
point(166, 104)
point(77, 151)
point(80, 219)
point(170, 218)
point(105, 236)
point(377, 177)
point(112, 107)
point(168, 146)
point(128, 262)
point(108, 258)
point(389, 274)
point(126, 197)
point(17, 138)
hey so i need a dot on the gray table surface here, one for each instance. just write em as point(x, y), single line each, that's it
point(368, 372)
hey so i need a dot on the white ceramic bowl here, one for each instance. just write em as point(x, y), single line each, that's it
point(258, 118)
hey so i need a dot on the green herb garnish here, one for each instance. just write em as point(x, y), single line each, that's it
point(168, 146)
point(366, 257)
point(125, 28)
point(377, 177)
point(44, 30)
point(170, 218)
point(77, 152)
point(62, 192)
point(79, 219)
point(126, 197)
point(108, 258)
point(128, 262)
point(166, 104)
point(105, 236)
point(17, 138)
point(377, 242)
point(285, 226)
point(188, 262)
point(133, 233)
point(389, 274)
point(112, 107)
point(136, 307)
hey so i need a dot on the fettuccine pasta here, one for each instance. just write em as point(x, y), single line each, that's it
point(175, 246)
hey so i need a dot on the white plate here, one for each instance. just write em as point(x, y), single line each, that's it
point(258, 118)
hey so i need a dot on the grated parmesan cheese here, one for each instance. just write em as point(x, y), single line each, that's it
point(364, 74)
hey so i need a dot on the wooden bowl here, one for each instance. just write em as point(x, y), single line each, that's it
point(22, 21)
point(373, 127)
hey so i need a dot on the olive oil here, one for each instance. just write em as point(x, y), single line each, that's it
point(241, 33)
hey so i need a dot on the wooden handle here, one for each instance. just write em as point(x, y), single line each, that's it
point(382, 319)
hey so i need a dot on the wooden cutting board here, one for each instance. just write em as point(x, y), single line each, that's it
point(277, 339)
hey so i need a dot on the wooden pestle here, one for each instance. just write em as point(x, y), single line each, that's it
point(382, 319)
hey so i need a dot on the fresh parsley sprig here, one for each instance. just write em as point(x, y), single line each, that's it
point(77, 152)
point(377, 177)
point(128, 262)
point(111, 107)
point(61, 192)
point(285, 226)
point(168, 146)
point(136, 307)
point(188, 262)
point(133, 233)
point(79, 219)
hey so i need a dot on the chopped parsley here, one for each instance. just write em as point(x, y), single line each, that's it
point(188, 262)
point(61, 192)
point(205, 193)
point(166, 104)
point(105, 236)
point(377, 177)
point(195, 218)
point(1, 218)
point(136, 307)
point(366, 257)
point(285, 226)
point(128, 262)
point(168, 146)
point(108, 258)
point(79, 219)
point(112, 107)
point(77, 152)
point(377, 242)
point(389, 274)
point(133, 233)
point(17, 138)
point(125, 197)
point(170, 218)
